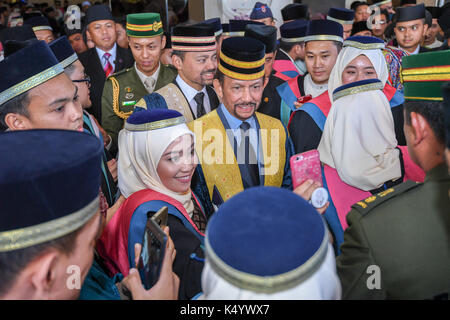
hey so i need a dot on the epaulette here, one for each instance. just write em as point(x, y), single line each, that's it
point(115, 74)
point(366, 205)
point(170, 66)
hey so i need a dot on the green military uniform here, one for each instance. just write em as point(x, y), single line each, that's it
point(397, 244)
point(121, 92)
point(123, 89)
point(407, 237)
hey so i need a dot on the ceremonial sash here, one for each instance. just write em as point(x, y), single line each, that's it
point(343, 196)
point(176, 101)
point(113, 244)
point(289, 93)
point(285, 69)
point(319, 107)
point(218, 160)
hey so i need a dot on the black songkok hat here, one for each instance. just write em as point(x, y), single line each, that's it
point(444, 21)
point(242, 58)
point(98, 12)
point(410, 13)
point(324, 30)
point(237, 27)
point(37, 64)
point(403, 2)
point(38, 23)
point(359, 26)
point(225, 29)
point(38, 201)
point(215, 23)
point(294, 31)
point(436, 12)
point(265, 34)
point(295, 11)
point(21, 33)
point(341, 15)
point(63, 51)
point(193, 38)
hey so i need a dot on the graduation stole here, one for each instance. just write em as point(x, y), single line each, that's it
point(218, 161)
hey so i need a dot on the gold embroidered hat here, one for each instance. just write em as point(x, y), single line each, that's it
point(54, 195)
point(193, 38)
point(144, 25)
point(242, 58)
point(30, 64)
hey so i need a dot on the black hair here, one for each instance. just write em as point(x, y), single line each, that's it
point(178, 53)
point(122, 21)
point(386, 14)
point(17, 105)
point(338, 45)
point(69, 70)
point(287, 46)
point(432, 111)
point(13, 262)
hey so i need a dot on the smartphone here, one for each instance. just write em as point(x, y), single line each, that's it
point(160, 217)
point(304, 99)
point(306, 166)
point(152, 254)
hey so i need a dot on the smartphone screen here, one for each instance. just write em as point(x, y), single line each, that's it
point(306, 166)
point(152, 254)
point(160, 217)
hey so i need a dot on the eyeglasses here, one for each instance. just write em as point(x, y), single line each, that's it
point(86, 79)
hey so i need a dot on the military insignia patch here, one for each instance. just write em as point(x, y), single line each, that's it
point(129, 96)
point(128, 89)
point(155, 26)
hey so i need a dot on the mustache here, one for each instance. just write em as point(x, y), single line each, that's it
point(250, 104)
point(208, 71)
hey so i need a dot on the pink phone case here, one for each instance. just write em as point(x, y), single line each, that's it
point(306, 166)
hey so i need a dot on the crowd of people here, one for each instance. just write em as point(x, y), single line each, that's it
point(107, 118)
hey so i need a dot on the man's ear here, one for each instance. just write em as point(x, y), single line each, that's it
point(425, 29)
point(163, 42)
point(218, 88)
point(16, 121)
point(420, 127)
point(42, 274)
point(177, 62)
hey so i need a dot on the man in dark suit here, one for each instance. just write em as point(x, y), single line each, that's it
point(106, 57)
point(410, 28)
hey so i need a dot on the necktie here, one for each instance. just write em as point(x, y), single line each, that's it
point(200, 107)
point(149, 84)
point(108, 67)
point(251, 162)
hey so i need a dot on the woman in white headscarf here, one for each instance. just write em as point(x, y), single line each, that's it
point(359, 150)
point(363, 57)
point(155, 167)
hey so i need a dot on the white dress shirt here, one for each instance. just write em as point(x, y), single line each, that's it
point(149, 82)
point(112, 59)
point(190, 93)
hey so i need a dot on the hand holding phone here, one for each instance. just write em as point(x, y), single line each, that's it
point(306, 166)
point(152, 253)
